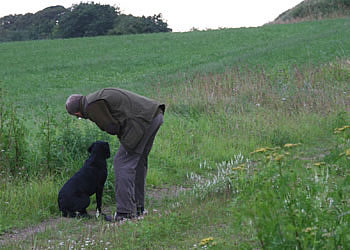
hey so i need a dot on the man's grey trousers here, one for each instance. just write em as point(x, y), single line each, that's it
point(131, 169)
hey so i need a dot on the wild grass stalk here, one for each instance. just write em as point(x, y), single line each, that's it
point(312, 90)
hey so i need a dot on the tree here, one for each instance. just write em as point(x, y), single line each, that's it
point(87, 19)
point(44, 21)
point(30, 26)
point(128, 24)
point(84, 19)
point(15, 27)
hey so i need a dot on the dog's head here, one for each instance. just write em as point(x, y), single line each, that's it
point(100, 148)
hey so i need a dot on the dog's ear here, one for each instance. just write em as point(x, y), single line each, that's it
point(90, 148)
point(107, 150)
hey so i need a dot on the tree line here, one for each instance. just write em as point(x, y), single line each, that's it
point(80, 20)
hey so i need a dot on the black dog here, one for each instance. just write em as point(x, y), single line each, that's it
point(74, 196)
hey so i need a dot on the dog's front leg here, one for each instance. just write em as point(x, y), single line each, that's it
point(99, 193)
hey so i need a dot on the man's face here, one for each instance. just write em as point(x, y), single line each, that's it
point(78, 115)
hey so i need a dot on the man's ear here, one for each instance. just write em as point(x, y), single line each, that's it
point(78, 114)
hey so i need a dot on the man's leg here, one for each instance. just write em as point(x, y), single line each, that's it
point(131, 167)
point(142, 166)
point(140, 183)
point(125, 164)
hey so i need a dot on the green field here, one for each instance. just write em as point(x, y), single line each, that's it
point(228, 93)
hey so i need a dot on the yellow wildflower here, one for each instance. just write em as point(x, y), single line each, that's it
point(279, 157)
point(263, 150)
point(291, 145)
point(275, 148)
point(237, 168)
point(347, 152)
point(338, 130)
point(309, 229)
point(206, 241)
point(319, 163)
point(327, 235)
point(260, 150)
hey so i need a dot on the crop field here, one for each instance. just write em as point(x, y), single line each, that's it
point(254, 152)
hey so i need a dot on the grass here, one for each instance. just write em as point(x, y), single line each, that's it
point(140, 62)
point(166, 228)
point(25, 203)
point(228, 92)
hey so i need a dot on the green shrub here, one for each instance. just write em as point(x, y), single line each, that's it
point(12, 139)
point(65, 143)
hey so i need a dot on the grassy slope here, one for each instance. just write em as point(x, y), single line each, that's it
point(40, 73)
point(60, 67)
point(46, 72)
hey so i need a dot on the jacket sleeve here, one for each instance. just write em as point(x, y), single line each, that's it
point(99, 113)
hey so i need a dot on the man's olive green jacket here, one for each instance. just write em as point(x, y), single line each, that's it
point(122, 113)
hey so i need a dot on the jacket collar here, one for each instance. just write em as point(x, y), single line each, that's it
point(83, 107)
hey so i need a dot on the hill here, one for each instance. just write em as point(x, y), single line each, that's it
point(315, 10)
point(254, 152)
point(57, 67)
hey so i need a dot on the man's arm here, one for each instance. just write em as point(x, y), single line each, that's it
point(99, 113)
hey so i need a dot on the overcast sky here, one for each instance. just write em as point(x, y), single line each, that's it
point(181, 15)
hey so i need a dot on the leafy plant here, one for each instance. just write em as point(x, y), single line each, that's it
point(12, 139)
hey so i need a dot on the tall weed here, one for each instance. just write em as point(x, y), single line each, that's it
point(290, 91)
point(287, 201)
point(13, 145)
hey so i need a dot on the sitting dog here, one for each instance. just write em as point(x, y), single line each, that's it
point(74, 196)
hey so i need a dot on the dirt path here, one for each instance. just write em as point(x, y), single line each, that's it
point(26, 233)
point(19, 235)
